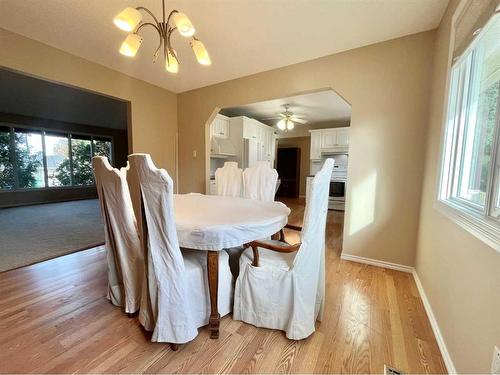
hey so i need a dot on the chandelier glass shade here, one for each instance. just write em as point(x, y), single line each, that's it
point(285, 124)
point(130, 20)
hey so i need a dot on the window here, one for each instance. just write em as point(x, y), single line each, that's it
point(35, 159)
point(6, 167)
point(29, 158)
point(102, 147)
point(470, 177)
point(57, 156)
point(81, 152)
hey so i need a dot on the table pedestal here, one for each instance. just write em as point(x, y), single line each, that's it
point(213, 286)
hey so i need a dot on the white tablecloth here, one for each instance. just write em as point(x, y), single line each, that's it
point(210, 222)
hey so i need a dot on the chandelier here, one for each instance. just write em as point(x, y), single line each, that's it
point(130, 20)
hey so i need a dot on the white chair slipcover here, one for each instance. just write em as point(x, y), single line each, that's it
point(228, 180)
point(176, 299)
point(286, 291)
point(125, 260)
point(259, 182)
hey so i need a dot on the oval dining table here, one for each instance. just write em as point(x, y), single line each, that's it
point(213, 223)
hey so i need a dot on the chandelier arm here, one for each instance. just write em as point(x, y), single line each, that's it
point(149, 12)
point(170, 16)
point(148, 24)
point(169, 45)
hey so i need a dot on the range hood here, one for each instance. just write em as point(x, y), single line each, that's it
point(222, 147)
point(335, 150)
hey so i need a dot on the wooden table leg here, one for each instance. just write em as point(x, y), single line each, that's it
point(213, 285)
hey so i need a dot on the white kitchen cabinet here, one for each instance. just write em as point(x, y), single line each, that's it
point(308, 184)
point(343, 137)
point(220, 127)
point(250, 129)
point(315, 145)
point(213, 188)
point(329, 140)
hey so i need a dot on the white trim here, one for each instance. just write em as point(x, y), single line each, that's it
point(481, 227)
point(450, 367)
point(377, 263)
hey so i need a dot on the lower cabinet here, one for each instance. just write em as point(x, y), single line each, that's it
point(213, 188)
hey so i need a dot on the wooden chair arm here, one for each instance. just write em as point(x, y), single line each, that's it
point(298, 228)
point(280, 236)
point(270, 246)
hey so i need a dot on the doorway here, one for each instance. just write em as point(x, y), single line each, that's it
point(288, 167)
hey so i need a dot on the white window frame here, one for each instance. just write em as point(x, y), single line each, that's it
point(483, 223)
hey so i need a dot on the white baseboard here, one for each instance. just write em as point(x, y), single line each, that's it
point(450, 367)
point(377, 263)
point(435, 328)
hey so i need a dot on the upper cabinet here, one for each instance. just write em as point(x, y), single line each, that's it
point(220, 127)
point(343, 137)
point(329, 141)
point(251, 129)
point(315, 145)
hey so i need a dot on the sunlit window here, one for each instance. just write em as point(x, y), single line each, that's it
point(57, 156)
point(29, 159)
point(103, 147)
point(6, 167)
point(81, 153)
point(470, 178)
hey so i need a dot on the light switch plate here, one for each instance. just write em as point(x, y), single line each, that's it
point(495, 363)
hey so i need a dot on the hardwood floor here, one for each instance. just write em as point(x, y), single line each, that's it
point(54, 318)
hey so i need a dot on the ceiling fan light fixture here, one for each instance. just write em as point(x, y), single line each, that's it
point(131, 45)
point(200, 52)
point(128, 19)
point(281, 124)
point(289, 124)
point(171, 63)
point(183, 24)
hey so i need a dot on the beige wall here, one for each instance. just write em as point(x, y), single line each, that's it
point(304, 143)
point(387, 85)
point(460, 274)
point(154, 110)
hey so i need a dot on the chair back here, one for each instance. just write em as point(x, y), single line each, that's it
point(310, 259)
point(259, 182)
point(165, 271)
point(228, 180)
point(314, 227)
point(125, 260)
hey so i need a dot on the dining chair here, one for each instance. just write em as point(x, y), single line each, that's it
point(282, 286)
point(176, 296)
point(228, 180)
point(259, 182)
point(124, 256)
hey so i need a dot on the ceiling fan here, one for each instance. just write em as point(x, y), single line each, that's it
point(287, 119)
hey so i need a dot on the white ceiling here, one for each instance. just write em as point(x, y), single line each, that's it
point(242, 36)
point(317, 107)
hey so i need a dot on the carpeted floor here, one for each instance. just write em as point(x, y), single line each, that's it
point(32, 234)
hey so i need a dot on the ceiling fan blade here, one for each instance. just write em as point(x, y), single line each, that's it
point(299, 120)
point(271, 118)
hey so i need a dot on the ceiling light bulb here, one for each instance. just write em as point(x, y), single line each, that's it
point(128, 19)
point(130, 45)
point(171, 63)
point(289, 125)
point(200, 52)
point(183, 24)
point(281, 125)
